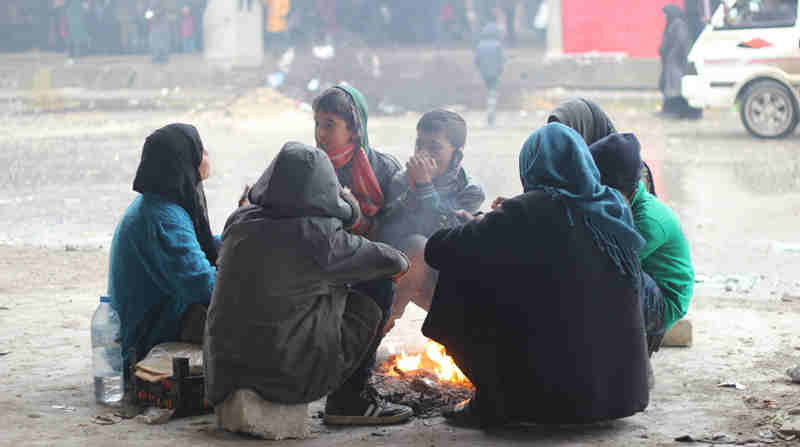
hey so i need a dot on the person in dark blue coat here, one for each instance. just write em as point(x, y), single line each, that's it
point(163, 254)
point(490, 59)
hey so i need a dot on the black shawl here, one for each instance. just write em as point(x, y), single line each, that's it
point(170, 158)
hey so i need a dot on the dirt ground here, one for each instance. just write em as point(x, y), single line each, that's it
point(66, 180)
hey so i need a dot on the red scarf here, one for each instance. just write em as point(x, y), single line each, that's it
point(365, 186)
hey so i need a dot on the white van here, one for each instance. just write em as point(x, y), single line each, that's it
point(749, 55)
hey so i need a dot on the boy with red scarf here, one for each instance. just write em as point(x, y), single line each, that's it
point(340, 129)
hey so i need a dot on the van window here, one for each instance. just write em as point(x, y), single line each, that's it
point(743, 14)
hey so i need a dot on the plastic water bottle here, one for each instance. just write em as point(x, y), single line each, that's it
point(106, 354)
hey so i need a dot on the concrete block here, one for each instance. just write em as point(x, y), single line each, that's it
point(245, 411)
point(680, 335)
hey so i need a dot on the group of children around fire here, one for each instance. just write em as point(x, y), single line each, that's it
point(551, 303)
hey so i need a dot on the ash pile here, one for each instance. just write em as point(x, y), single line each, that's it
point(420, 389)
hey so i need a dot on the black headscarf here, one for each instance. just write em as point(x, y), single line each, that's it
point(619, 159)
point(585, 117)
point(170, 159)
point(589, 120)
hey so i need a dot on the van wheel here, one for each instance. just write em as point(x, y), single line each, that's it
point(768, 110)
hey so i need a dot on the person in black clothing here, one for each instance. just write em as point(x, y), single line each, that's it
point(674, 51)
point(538, 301)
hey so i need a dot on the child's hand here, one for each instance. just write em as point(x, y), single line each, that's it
point(406, 267)
point(498, 202)
point(466, 216)
point(421, 168)
point(243, 199)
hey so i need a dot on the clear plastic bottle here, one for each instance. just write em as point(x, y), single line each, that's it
point(106, 354)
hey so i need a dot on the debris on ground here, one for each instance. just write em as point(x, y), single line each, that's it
point(420, 390)
point(106, 419)
point(794, 374)
point(66, 408)
point(787, 248)
point(735, 385)
point(717, 439)
point(758, 403)
point(155, 416)
point(790, 427)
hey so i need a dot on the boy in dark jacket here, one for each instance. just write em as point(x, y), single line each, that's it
point(434, 192)
point(490, 61)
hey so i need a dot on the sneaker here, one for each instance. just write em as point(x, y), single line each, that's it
point(365, 408)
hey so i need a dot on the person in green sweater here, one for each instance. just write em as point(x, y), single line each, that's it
point(667, 273)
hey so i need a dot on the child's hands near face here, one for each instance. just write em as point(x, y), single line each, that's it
point(421, 168)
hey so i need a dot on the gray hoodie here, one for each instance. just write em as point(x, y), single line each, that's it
point(282, 319)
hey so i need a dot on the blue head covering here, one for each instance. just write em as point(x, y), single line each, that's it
point(555, 159)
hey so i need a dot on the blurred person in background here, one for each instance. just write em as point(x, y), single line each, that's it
point(490, 59)
point(674, 52)
point(57, 25)
point(188, 30)
point(160, 36)
point(78, 29)
point(277, 12)
point(126, 16)
point(142, 27)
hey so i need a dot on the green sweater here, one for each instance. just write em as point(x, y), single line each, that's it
point(665, 256)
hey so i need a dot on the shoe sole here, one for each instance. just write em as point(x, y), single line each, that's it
point(333, 419)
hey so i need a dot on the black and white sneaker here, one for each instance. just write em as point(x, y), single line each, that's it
point(364, 408)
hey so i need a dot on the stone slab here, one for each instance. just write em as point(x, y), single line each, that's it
point(244, 411)
point(680, 335)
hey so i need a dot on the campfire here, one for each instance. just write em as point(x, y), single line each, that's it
point(428, 381)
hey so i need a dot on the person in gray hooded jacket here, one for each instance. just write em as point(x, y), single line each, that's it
point(283, 320)
point(490, 60)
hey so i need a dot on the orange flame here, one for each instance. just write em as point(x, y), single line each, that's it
point(435, 357)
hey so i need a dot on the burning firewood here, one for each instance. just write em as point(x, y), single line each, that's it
point(428, 382)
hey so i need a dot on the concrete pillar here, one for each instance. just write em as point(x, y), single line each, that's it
point(233, 33)
point(555, 38)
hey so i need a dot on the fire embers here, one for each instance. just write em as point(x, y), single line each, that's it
point(428, 382)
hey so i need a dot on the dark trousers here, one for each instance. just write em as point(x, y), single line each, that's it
point(382, 292)
point(653, 306)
